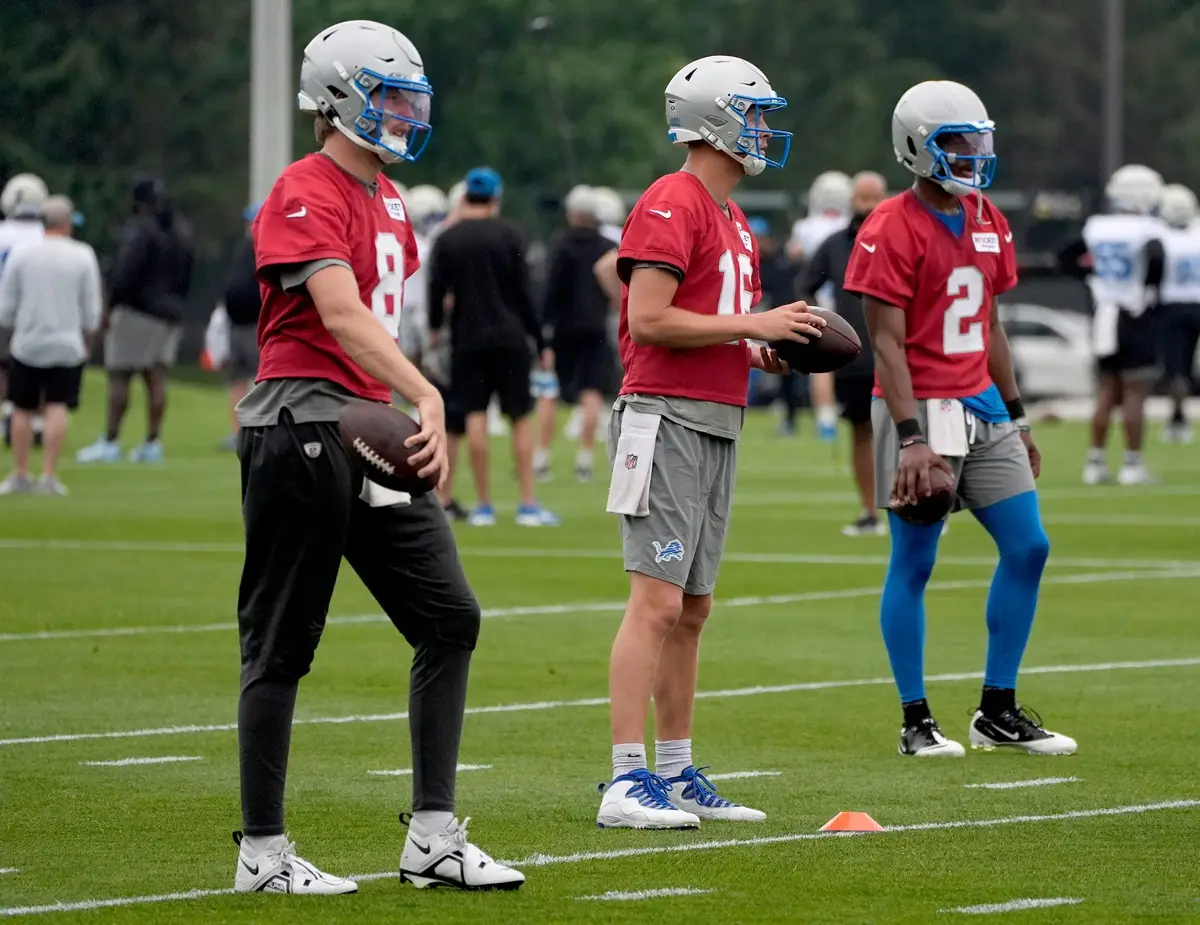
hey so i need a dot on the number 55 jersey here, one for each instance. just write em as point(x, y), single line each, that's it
point(317, 214)
point(944, 280)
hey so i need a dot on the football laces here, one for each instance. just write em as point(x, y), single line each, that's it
point(372, 457)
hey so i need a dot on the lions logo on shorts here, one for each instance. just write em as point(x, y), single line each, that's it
point(673, 550)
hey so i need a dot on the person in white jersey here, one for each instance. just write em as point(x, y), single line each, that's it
point(1125, 254)
point(829, 211)
point(21, 226)
point(1179, 300)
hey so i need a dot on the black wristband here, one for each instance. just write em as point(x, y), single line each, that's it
point(909, 427)
point(1016, 410)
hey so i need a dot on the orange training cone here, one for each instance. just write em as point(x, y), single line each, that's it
point(852, 822)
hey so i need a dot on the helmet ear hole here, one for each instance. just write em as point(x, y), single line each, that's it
point(912, 148)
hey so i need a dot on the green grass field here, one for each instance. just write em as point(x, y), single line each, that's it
point(117, 641)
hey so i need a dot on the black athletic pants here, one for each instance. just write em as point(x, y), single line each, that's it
point(302, 514)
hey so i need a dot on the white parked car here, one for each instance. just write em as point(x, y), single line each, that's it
point(1052, 350)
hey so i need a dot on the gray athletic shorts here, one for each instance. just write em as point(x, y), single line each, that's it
point(995, 468)
point(242, 365)
point(137, 342)
point(682, 539)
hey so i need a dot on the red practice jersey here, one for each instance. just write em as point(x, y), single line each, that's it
point(905, 255)
point(317, 211)
point(677, 222)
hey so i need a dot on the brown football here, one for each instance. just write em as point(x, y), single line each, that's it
point(934, 507)
point(837, 346)
point(373, 435)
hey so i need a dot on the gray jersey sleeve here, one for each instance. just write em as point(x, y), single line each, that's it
point(294, 278)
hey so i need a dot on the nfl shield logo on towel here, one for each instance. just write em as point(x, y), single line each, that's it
point(631, 461)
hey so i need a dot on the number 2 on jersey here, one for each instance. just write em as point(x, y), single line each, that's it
point(389, 291)
point(736, 292)
point(966, 284)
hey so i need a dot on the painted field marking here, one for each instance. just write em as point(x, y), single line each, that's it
point(739, 775)
point(637, 895)
point(407, 772)
point(127, 762)
point(1015, 905)
point(1017, 784)
point(597, 701)
point(546, 860)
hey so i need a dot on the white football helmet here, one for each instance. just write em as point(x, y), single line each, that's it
point(830, 192)
point(456, 194)
point(721, 100)
point(1134, 188)
point(610, 207)
point(365, 77)
point(581, 200)
point(937, 115)
point(427, 205)
point(1178, 205)
point(23, 196)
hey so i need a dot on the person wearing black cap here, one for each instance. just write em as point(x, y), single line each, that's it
point(479, 266)
point(149, 281)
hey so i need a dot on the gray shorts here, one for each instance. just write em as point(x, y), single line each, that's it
point(137, 342)
point(682, 539)
point(242, 365)
point(995, 468)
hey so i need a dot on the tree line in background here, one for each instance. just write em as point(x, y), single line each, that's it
point(99, 90)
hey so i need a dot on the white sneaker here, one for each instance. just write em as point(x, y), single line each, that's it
point(1019, 729)
point(447, 859)
point(1096, 473)
point(700, 798)
point(638, 800)
point(102, 451)
point(16, 485)
point(278, 869)
point(49, 485)
point(1135, 474)
point(1177, 433)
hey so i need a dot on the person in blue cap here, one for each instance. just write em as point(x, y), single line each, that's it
point(479, 265)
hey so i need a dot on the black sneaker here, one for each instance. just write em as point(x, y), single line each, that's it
point(925, 740)
point(867, 525)
point(1020, 728)
point(454, 510)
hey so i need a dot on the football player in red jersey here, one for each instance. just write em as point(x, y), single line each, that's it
point(929, 264)
point(689, 266)
point(333, 249)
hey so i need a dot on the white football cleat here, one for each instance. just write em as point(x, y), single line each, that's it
point(1135, 474)
point(925, 740)
point(699, 797)
point(1096, 473)
point(1019, 729)
point(446, 858)
point(278, 869)
point(639, 800)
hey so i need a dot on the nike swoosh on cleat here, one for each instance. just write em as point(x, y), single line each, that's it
point(424, 849)
point(253, 870)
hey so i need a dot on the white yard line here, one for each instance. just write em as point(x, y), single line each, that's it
point(1018, 784)
point(9, 870)
point(128, 762)
point(546, 860)
point(1168, 571)
point(638, 895)
point(1015, 905)
point(406, 772)
point(600, 701)
point(739, 775)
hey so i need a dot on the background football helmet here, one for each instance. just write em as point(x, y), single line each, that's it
point(1177, 205)
point(1134, 188)
point(23, 195)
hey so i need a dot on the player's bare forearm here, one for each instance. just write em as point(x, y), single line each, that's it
point(334, 291)
point(681, 329)
point(1000, 364)
point(886, 326)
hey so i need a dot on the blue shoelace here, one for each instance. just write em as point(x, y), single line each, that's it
point(649, 789)
point(701, 789)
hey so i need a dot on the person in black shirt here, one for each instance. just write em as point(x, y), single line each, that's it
point(575, 318)
point(853, 382)
point(243, 302)
point(478, 265)
point(777, 272)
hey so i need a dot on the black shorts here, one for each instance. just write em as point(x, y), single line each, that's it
point(1181, 335)
point(1137, 346)
point(302, 515)
point(584, 364)
point(456, 421)
point(853, 393)
point(477, 375)
point(30, 386)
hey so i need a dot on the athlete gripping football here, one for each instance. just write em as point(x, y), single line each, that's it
point(929, 264)
point(333, 248)
point(689, 269)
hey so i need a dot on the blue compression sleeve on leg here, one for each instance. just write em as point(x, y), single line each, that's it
point(902, 609)
point(1016, 526)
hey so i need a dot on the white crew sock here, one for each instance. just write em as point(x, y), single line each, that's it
point(254, 845)
point(672, 757)
point(583, 459)
point(629, 756)
point(541, 458)
point(1096, 455)
point(427, 822)
point(827, 416)
point(1133, 457)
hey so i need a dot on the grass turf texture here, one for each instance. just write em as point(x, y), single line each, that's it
point(103, 558)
